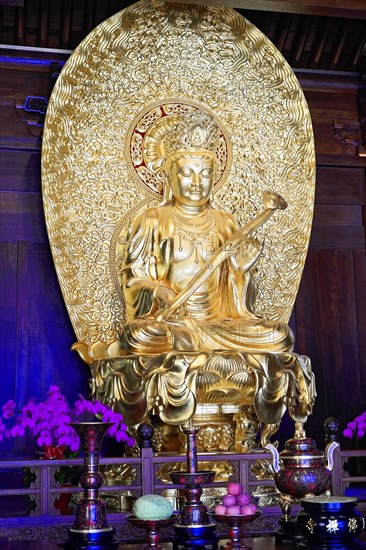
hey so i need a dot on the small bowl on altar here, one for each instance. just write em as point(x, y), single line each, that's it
point(330, 522)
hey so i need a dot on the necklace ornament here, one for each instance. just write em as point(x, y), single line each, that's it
point(187, 230)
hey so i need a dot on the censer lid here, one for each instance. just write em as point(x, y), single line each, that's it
point(300, 445)
point(304, 445)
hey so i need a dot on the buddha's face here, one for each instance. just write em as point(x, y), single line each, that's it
point(191, 177)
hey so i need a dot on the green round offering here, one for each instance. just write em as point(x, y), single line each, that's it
point(152, 507)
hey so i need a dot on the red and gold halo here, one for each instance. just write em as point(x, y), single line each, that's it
point(144, 145)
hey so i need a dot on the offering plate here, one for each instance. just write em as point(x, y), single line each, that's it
point(236, 524)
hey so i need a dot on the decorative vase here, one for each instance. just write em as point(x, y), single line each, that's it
point(91, 528)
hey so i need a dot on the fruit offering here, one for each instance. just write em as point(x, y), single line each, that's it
point(152, 507)
point(235, 502)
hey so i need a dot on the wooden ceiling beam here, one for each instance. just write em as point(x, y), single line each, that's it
point(353, 9)
point(17, 3)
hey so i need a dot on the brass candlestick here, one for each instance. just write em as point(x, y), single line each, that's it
point(194, 528)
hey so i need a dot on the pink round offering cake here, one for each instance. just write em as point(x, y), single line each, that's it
point(236, 502)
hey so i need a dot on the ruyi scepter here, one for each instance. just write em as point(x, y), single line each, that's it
point(272, 201)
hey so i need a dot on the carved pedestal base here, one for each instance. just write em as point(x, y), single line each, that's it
point(170, 386)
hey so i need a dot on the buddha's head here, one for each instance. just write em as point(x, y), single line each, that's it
point(190, 159)
point(190, 175)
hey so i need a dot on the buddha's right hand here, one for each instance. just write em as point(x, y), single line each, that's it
point(164, 296)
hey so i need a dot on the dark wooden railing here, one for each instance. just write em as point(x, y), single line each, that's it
point(349, 475)
point(39, 519)
point(43, 521)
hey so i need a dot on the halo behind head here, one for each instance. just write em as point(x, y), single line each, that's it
point(173, 127)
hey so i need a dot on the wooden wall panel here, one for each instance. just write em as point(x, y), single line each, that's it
point(308, 340)
point(8, 312)
point(8, 322)
point(21, 217)
point(27, 322)
point(36, 334)
point(340, 185)
point(330, 327)
point(337, 237)
point(338, 214)
point(360, 289)
point(340, 356)
point(328, 331)
point(20, 170)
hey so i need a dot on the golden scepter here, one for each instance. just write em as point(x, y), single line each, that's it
point(272, 201)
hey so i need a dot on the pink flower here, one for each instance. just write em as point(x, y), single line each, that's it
point(348, 433)
point(8, 409)
point(48, 421)
point(28, 423)
point(65, 440)
point(83, 406)
point(99, 408)
point(17, 431)
point(53, 389)
point(121, 436)
point(112, 431)
point(356, 428)
point(109, 416)
point(30, 409)
point(74, 444)
point(44, 439)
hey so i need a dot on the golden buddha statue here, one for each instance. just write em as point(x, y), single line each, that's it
point(167, 246)
point(177, 307)
point(188, 278)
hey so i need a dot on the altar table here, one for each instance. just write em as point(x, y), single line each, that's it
point(257, 543)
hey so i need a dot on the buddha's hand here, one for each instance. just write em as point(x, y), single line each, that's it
point(163, 295)
point(248, 254)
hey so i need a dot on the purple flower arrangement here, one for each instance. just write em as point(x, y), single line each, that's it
point(356, 428)
point(48, 422)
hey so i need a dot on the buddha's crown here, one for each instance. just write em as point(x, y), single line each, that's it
point(193, 131)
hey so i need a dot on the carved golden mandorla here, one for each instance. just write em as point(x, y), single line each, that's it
point(195, 57)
